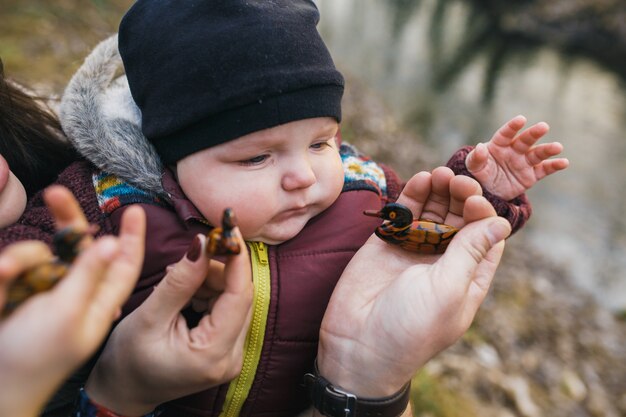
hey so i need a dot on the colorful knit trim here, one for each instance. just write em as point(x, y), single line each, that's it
point(114, 193)
point(361, 172)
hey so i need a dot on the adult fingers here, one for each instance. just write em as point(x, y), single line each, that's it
point(461, 188)
point(438, 204)
point(87, 272)
point(215, 281)
point(416, 192)
point(21, 256)
point(230, 313)
point(469, 248)
point(66, 210)
point(123, 273)
point(18, 257)
point(179, 285)
point(476, 208)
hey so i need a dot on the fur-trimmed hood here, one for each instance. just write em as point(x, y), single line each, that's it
point(103, 122)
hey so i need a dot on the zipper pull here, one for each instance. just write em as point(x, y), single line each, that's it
point(261, 252)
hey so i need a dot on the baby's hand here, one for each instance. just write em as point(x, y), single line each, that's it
point(510, 163)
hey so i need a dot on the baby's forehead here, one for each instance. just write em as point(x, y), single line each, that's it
point(285, 134)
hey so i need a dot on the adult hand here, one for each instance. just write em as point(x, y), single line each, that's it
point(152, 356)
point(52, 333)
point(393, 310)
point(510, 163)
point(12, 195)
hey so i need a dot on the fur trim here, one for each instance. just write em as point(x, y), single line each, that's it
point(103, 122)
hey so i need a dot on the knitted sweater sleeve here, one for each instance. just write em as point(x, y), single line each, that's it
point(517, 211)
point(37, 222)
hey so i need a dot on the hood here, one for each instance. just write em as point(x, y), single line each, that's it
point(103, 122)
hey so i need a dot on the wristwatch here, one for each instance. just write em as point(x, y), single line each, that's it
point(332, 401)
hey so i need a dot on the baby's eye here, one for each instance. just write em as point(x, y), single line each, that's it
point(319, 145)
point(257, 160)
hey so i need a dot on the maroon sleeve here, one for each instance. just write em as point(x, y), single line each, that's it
point(516, 211)
point(37, 222)
point(394, 184)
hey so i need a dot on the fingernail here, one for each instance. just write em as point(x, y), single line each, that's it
point(499, 229)
point(194, 249)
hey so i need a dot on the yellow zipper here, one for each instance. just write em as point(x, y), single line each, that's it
point(240, 387)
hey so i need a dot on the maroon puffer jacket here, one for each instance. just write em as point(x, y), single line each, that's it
point(303, 274)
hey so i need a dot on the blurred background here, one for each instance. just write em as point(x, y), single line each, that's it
point(424, 78)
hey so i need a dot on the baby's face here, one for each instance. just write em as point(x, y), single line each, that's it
point(275, 179)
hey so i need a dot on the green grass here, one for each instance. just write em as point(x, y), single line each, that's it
point(43, 42)
point(429, 397)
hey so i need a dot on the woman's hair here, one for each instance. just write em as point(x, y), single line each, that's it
point(31, 137)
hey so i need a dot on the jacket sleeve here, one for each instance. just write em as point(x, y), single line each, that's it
point(37, 222)
point(394, 183)
point(517, 211)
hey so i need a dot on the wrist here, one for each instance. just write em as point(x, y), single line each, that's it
point(331, 400)
point(115, 395)
point(87, 407)
point(360, 371)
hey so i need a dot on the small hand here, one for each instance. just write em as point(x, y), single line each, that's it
point(393, 310)
point(152, 356)
point(52, 333)
point(510, 163)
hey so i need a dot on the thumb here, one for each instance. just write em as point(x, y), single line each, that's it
point(477, 158)
point(180, 283)
point(230, 313)
point(475, 252)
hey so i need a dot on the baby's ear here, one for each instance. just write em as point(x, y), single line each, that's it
point(338, 136)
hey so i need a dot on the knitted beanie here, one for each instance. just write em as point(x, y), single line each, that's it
point(207, 72)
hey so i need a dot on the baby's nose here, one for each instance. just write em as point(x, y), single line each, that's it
point(298, 177)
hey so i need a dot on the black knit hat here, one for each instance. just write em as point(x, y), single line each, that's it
point(206, 72)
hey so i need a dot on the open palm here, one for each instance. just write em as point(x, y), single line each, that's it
point(510, 163)
point(393, 310)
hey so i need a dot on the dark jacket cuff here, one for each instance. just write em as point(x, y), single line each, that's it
point(517, 211)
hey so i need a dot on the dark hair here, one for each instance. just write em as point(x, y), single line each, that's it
point(31, 137)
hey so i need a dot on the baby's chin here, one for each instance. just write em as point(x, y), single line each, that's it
point(275, 235)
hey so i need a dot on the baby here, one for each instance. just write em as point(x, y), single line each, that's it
point(240, 105)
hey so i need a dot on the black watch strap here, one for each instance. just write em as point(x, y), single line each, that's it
point(334, 402)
